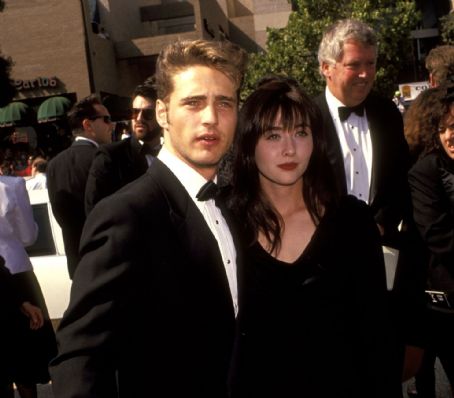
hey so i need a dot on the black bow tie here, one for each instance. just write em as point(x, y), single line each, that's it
point(346, 111)
point(208, 191)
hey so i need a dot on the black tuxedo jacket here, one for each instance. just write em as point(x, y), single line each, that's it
point(66, 178)
point(390, 202)
point(150, 299)
point(389, 193)
point(114, 166)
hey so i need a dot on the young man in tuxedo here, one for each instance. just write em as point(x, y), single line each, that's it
point(119, 163)
point(67, 173)
point(369, 154)
point(154, 301)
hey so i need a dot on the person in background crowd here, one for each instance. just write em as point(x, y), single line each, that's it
point(369, 154)
point(32, 348)
point(119, 163)
point(158, 247)
point(67, 173)
point(429, 129)
point(38, 179)
point(314, 304)
point(14, 305)
point(440, 65)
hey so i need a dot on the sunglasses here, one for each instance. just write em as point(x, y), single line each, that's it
point(147, 113)
point(107, 118)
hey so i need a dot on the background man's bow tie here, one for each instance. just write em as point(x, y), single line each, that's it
point(208, 191)
point(345, 111)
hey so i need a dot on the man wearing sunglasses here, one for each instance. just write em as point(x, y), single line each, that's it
point(67, 173)
point(119, 163)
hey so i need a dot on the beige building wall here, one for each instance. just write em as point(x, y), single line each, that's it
point(45, 38)
point(54, 38)
point(249, 20)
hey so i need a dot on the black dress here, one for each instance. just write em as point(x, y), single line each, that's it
point(318, 328)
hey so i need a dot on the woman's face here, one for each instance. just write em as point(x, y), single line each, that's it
point(282, 156)
point(447, 132)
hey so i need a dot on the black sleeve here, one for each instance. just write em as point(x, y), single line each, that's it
point(432, 212)
point(90, 325)
point(376, 349)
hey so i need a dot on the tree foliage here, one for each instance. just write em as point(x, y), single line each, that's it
point(447, 29)
point(292, 51)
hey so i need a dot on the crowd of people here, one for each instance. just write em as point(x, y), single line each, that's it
point(323, 267)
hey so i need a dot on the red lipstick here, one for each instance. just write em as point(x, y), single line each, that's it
point(288, 166)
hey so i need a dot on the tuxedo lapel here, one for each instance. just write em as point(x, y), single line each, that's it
point(191, 228)
point(378, 154)
point(334, 149)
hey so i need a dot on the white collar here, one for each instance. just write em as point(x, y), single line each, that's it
point(80, 138)
point(191, 179)
point(333, 103)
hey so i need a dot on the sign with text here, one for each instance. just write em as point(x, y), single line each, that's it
point(39, 82)
point(410, 91)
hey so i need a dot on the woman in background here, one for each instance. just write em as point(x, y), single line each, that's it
point(313, 319)
point(430, 134)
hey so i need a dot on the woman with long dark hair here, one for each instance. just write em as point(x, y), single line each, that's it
point(313, 319)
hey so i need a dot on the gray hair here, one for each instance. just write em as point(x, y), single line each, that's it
point(332, 45)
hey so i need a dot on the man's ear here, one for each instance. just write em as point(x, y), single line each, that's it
point(325, 68)
point(86, 124)
point(161, 114)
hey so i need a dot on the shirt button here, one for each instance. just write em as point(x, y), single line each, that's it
point(360, 195)
point(228, 261)
point(217, 222)
point(356, 172)
point(354, 149)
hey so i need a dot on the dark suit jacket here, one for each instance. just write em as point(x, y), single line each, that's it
point(150, 299)
point(390, 202)
point(389, 194)
point(66, 178)
point(432, 185)
point(114, 166)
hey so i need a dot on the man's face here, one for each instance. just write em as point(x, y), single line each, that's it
point(99, 129)
point(199, 117)
point(144, 124)
point(351, 78)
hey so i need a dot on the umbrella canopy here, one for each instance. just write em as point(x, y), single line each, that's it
point(53, 108)
point(15, 113)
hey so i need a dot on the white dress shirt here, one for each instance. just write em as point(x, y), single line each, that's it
point(356, 144)
point(17, 226)
point(39, 181)
point(192, 182)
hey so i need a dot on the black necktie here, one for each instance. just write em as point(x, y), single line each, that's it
point(208, 191)
point(346, 111)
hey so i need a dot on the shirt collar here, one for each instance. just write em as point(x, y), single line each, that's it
point(80, 138)
point(333, 103)
point(191, 179)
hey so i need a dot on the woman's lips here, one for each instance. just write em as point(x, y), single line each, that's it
point(288, 166)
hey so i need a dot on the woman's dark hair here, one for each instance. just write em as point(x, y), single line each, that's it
point(424, 117)
point(272, 96)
